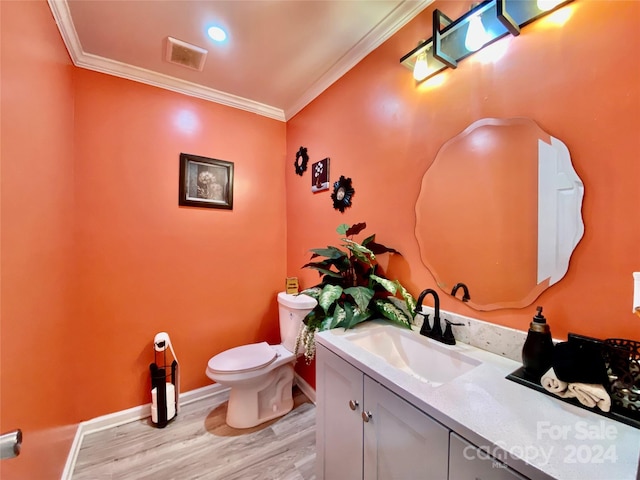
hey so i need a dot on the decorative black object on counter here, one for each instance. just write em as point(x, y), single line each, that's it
point(622, 358)
point(537, 353)
point(622, 365)
point(577, 361)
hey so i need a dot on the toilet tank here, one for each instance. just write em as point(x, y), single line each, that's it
point(292, 309)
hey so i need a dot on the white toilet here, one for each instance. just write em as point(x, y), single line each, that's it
point(261, 375)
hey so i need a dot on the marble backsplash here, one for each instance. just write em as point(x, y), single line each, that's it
point(504, 341)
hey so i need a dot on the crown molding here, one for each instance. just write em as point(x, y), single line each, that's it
point(123, 70)
point(401, 15)
point(62, 15)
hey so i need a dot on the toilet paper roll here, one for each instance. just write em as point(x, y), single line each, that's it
point(162, 342)
point(636, 293)
point(171, 402)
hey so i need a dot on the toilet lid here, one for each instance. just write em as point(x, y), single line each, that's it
point(243, 359)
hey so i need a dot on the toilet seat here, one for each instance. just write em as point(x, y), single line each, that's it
point(244, 358)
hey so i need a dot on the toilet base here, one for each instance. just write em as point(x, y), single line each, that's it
point(271, 398)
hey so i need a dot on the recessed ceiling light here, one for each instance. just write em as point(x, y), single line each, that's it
point(217, 34)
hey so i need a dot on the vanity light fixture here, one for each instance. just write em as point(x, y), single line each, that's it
point(488, 21)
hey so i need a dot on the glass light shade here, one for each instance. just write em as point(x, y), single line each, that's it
point(545, 5)
point(476, 34)
point(421, 68)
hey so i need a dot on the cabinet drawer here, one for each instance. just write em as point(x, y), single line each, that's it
point(467, 462)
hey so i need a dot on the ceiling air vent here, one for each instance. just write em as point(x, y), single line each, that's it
point(185, 54)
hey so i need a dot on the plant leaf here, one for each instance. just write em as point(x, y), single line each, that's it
point(314, 318)
point(326, 263)
point(391, 312)
point(323, 271)
point(329, 252)
point(313, 292)
point(361, 295)
point(361, 253)
point(408, 298)
point(390, 286)
point(354, 315)
point(355, 229)
point(369, 239)
point(342, 228)
point(330, 293)
point(378, 248)
point(334, 321)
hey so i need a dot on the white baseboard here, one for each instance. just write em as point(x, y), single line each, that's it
point(307, 389)
point(126, 416)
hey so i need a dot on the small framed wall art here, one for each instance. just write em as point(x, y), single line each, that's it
point(205, 182)
point(320, 175)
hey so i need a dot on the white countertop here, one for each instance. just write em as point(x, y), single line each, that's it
point(537, 435)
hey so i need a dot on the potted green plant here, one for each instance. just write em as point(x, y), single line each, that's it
point(352, 289)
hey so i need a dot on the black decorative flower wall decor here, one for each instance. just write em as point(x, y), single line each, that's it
point(302, 158)
point(342, 193)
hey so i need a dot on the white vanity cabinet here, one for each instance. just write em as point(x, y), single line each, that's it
point(467, 462)
point(365, 431)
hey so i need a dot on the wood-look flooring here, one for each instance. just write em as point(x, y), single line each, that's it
point(198, 444)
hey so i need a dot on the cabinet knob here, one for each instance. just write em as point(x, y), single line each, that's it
point(353, 404)
point(366, 416)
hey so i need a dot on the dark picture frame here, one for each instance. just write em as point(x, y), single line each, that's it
point(320, 176)
point(205, 182)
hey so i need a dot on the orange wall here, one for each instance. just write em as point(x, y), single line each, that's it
point(578, 82)
point(97, 256)
point(209, 277)
point(37, 257)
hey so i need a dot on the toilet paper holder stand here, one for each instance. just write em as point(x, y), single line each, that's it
point(164, 371)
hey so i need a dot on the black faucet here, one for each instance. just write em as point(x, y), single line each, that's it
point(435, 332)
point(465, 296)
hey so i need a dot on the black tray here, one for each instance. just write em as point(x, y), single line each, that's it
point(616, 413)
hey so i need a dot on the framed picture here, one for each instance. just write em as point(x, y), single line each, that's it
point(205, 182)
point(320, 175)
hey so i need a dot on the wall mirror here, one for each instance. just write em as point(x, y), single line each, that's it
point(500, 210)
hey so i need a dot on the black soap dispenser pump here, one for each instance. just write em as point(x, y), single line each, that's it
point(537, 353)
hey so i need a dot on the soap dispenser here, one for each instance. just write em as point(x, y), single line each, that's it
point(537, 353)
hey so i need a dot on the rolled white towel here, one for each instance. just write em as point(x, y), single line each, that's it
point(553, 384)
point(590, 395)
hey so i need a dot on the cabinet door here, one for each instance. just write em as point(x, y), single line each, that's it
point(467, 462)
point(339, 420)
point(400, 441)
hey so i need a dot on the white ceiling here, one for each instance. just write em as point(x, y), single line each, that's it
point(279, 56)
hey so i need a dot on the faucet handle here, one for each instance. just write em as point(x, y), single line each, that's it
point(447, 336)
point(426, 327)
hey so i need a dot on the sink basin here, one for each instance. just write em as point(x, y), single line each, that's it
point(407, 351)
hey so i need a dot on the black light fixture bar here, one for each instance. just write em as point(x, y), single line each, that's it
point(510, 24)
point(448, 43)
point(439, 19)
